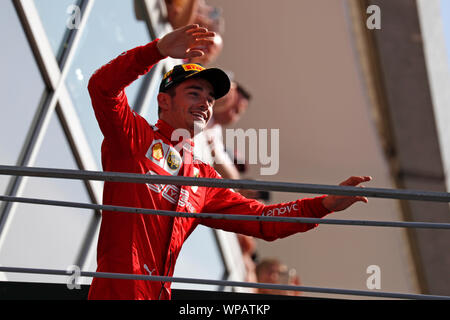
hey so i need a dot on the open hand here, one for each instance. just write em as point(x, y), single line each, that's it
point(338, 203)
point(186, 42)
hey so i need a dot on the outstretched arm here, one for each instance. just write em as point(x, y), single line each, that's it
point(339, 203)
point(221, 200)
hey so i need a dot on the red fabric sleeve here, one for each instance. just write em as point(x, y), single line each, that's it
point(118, 123)
point(220, 200)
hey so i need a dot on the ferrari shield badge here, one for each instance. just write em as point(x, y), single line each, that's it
point(157, 152)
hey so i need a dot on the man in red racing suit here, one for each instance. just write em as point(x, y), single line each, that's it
point(150, 244)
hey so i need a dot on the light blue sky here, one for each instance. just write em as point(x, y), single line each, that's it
point(32, 240)
point(445, 5)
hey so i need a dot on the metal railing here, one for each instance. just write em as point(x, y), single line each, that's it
point(223, 183)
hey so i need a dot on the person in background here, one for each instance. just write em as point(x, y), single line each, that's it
point(248, 248)
point(184, 12)
point(181, 12)
point(270, 270)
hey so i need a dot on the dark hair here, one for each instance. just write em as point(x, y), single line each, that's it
point(243, 92)
point(171, 92)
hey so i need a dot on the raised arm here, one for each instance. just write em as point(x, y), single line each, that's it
point(107, 85)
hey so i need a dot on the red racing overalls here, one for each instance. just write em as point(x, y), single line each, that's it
point(150, 244)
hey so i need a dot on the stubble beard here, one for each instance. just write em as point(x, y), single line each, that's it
point(199, 126)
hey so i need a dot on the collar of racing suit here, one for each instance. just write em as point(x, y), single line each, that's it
point(168, 131)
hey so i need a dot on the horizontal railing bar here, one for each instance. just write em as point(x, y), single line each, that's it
point(227, 183)
point(220, 216)
point(127, 276)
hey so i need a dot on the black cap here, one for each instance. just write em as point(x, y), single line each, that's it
point(218, 78)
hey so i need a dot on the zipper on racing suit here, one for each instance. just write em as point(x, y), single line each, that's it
point(187, 172)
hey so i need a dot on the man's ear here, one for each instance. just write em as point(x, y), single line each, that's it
point(164, 101)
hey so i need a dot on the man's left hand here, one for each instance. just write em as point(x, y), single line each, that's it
point(338, 203)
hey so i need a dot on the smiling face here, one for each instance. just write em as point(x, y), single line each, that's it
point(189, 107)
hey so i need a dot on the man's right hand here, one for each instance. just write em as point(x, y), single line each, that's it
point(185, 42)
